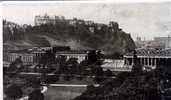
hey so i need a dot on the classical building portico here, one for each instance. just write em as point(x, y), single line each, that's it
point(150, 57)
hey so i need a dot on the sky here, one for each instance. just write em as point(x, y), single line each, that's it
point(147, 20)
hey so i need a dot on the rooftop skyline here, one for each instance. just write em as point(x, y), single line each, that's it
point(147, 20)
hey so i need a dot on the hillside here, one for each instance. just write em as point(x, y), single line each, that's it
point(110, 38)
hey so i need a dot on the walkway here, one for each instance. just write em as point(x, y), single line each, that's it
point(71, 85)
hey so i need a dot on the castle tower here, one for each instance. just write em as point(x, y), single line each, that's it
point(168, 42)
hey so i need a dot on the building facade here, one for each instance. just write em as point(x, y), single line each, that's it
point(26, 58)
point(150, 58)
point(80, 55)
point(157, 42)
point(115, 65)
point(46, 19)
point(39, 20)
point(165, 40)
point(33, 56)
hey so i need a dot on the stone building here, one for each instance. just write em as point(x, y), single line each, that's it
point(27, 58)
point(157, 42)
point(79, 54)
point(164, 40)
point(150, 57)
point(39, 20)
point(33, 56)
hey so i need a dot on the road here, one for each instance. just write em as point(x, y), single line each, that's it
point(70, 85)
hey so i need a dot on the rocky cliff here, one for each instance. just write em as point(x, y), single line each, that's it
point(109, 38)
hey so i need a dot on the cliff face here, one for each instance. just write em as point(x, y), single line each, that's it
point(110, 38)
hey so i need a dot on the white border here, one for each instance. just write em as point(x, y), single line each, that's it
point(1, 55)
point(84, 1)
point(3, 3)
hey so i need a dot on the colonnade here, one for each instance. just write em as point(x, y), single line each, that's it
point(145, 61)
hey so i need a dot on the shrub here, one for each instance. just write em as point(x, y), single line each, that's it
point(14, 92)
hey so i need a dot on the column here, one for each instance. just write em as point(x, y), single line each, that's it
point(151, 61)
point(115, 64)
point(148, 61)
point(140, 60)
point(132, 62)
point(125, 61)
point(155, 61)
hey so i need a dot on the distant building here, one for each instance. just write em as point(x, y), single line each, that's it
point(157, 42)
point(89, 23)
point(138, 39)
point(164, 40)
point(39, 20)
point(149, 57)
point(115, 65)
point(79, 54)
point(99, 26)
point(91, 29)
point(46, 19)
point(37, 55)
point(26, 58)
point(72, 21)
point(114, 24)
point(34, 55)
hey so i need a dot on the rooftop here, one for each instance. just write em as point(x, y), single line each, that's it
point(151, 52)
point(73, 52)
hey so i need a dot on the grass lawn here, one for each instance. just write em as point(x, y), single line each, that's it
point(63, 93)
point(86, 81)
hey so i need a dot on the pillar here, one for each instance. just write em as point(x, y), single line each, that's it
point(140, 60)
point(145, 59)
point(155, 61)
point(132, 62)
point(125, 61)
point(151, 61)
point(148, 61)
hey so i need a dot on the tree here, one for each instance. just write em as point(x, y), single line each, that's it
point(121, 77)
point(12, 67)
point(16, 65)
point(72, 65)
point(92, 57)
point(108, 73)
point(95, 57)
point(61, 60)
point(136, 68)
point(48, 58)
point(36, 95)
point(90, 89)
point(99, 74)
point(14, 92)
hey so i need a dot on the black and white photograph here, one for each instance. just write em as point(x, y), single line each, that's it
point(91, 50)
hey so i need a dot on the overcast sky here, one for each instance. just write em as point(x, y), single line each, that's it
point(139, 19)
